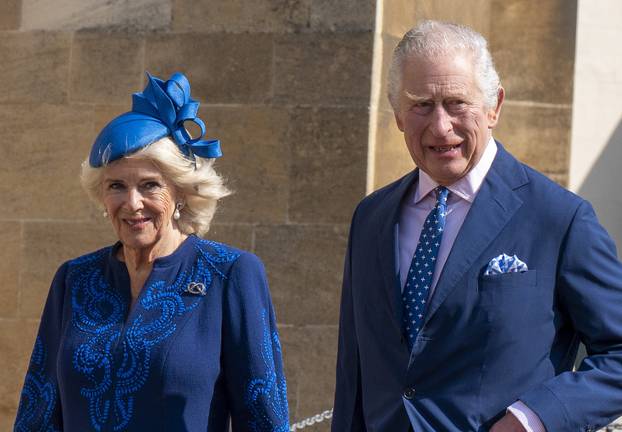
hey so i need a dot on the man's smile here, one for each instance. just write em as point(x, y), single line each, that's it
point(445, 149)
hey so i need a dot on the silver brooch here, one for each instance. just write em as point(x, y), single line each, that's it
point(196, 288)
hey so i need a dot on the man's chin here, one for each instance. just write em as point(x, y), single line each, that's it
point(448, 174)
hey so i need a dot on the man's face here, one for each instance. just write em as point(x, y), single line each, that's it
point(443, 116)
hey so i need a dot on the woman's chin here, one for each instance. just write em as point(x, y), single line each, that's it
point(140, 240)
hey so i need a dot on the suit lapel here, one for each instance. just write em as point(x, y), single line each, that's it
point(494, 206)
point(387, 244)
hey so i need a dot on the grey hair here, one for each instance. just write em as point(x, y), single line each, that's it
point(436, 38)
point(201, 187)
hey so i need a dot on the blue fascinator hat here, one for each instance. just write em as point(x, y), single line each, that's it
point(159, 111)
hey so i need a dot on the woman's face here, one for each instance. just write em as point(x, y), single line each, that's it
point(139, 201)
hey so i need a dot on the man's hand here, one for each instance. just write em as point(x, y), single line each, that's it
point(508, 423)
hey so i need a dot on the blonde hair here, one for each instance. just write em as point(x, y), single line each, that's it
point(201, 186)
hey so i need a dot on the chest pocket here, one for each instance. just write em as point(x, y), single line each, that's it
point(511, 298)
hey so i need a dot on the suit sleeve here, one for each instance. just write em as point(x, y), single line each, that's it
point(348, 409)
point(252, 358)
point(39, 406)
point(589, 288)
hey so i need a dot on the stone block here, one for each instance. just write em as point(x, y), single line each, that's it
point(533, 46)
point(314, 351)
point(304, 266)
point(236, 235)
point(475, 13)
point(103, 114)
point(11, 240)
point(43, 147)
point(392, 159)
point(255, 161)
point(345, 15)
point(388, 46)
point(7, 418)
point(34, 67)
point(398, 17)
point(222, 68)
point(323, 68)
point(538, 136)
point(328, 167)
point(106, 68)
point(46, 246)
point(16, 342)
point(10, 17)
point(234, 16)
point(91, 14)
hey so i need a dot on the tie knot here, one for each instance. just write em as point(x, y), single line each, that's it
point(441, 194)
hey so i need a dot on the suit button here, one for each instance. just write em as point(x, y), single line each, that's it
point(409, 393)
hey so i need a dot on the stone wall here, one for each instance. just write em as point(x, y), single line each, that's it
point(596, 148)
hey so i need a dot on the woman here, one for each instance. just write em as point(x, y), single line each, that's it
point(163, 331)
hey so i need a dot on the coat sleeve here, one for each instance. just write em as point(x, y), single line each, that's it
point(589, 286)
point(252, 360)
point(348, 410)
point(39, 407)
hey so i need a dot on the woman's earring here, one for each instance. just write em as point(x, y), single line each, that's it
point(176, 214)
point(105, 213)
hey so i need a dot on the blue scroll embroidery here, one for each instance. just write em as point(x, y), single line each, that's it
point(38, 396)
point(266, 397)
point(117, 362)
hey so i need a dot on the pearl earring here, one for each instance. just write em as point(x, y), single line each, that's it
point(176, 214)
point(105, 213)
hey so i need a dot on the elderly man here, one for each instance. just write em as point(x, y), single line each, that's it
point(470, 282)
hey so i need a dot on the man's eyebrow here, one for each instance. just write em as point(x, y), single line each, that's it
point(414, 98)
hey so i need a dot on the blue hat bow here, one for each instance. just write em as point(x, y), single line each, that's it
point(162, 109)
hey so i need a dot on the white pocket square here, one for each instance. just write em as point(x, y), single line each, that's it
point(505, 264)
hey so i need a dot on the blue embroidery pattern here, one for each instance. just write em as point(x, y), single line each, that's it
point(38, 396)
point(269, 391)
point(115, 361)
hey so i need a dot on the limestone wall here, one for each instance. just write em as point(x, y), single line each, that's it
point(596, 149)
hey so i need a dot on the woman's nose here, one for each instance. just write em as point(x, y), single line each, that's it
point(134, 201)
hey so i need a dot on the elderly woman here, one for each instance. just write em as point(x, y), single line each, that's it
point(163, 331)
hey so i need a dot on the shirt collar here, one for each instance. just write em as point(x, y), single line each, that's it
point(468, 186)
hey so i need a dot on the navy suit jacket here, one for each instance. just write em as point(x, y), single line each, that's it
point(487, 340)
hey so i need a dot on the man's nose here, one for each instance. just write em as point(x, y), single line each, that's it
point(134, 201)
point(441, 122)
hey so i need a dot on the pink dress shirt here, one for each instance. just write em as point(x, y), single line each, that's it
point(415, 208)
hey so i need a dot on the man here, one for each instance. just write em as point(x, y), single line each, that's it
point(470, 282)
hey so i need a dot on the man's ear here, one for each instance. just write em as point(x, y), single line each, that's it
point(398, 120)
point(494, 113)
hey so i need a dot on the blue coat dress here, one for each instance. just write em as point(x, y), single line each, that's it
point(199, 347)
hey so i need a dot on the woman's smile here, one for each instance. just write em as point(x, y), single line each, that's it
point(140, 202)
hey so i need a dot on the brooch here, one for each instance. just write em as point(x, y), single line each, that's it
point(196, 288)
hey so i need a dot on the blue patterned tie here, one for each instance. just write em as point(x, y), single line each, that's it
point(419, 280)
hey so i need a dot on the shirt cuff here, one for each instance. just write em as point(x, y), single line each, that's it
point(529, 419)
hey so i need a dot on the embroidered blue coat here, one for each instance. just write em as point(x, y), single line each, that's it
point(199, 347)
